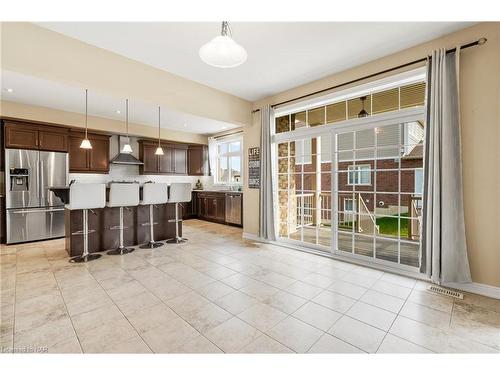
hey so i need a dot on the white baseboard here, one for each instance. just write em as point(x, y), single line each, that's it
point(252, 237)
point(476, 288)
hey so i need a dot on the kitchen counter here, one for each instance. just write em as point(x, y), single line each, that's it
point(103, 223)
point(217, 191)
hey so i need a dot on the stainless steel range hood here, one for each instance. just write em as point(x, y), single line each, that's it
point(124, 158)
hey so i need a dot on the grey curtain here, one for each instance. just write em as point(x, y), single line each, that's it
point(266, 212)
point(444, 247)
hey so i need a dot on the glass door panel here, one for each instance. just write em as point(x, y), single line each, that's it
point(378, 174)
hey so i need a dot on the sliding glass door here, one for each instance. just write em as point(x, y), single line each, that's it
point(304, 190)
point(378, 189)
point(354, 190)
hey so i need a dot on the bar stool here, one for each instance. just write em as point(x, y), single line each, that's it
point(122, 195)
point(86, 197)
point(178, 193)
point(153, 194)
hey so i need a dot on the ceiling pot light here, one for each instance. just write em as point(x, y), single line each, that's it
point(222, 51)
point(159, 150)
point(85, 142)
point(118, 111)
point(127, 149)
point(9, 90)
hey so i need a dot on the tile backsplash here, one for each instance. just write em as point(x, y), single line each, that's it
point(118, 172)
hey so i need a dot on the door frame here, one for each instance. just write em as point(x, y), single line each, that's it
point(370, 122)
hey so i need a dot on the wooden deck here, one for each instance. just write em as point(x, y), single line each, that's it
point(385, 247)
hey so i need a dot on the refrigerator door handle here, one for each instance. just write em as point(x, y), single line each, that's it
point(40, 186)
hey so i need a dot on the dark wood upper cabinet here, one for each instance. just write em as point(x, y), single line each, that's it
point(198, 160)
point(99, 154)
point(166, 161)
point(78, 157)
point(53, 139)
point(173, 160)
point(19, 135)
point(35, 136)
point(148, 157)
point(180, 161)
point(94, 160)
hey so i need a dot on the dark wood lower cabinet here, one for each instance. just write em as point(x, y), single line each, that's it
point(105, 221)
point(2, 220)
point(209, 206)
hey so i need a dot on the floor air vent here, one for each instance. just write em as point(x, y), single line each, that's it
point(446, 292)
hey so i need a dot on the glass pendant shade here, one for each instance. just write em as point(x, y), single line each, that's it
point(159, 151)
point(222, 51)
point(127, 149)
point(85, 144)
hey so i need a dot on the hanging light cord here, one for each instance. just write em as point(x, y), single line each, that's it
point(226, 29)
point(126, 114)
point(159, 126)
point(86, 111)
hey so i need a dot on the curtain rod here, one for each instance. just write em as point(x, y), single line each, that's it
point(228, 134)
point(478, 42)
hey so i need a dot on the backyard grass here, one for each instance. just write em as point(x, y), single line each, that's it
point(387, 226)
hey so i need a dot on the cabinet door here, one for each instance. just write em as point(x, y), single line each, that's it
point(78, 158)
point(53, 140)
point(166, 162)
point(197, 161)
point(19, 135)
point(149, 159)
point(220, 208)
point(180, 161)
point(212, 207)
point(99, 155)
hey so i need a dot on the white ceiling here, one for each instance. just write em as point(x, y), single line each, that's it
point(281, 55)
point(45, 93)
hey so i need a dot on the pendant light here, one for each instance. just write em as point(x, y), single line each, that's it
point(159, 150)
point(85, 142)
point(222, 51)
point(127, 149)
point(362, 113)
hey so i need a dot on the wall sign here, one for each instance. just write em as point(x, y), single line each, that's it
point(254, 168)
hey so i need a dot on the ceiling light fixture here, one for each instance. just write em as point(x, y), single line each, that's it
point(118, 111)
point(159, 150)
point(222, 51)
point(9, 90)
point(85, 142)
point(362, 113)
point(127, 149)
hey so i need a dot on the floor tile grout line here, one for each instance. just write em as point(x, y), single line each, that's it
point(163, 302)
point(387, 332)
point(67, 311)
point(124, 315)
point(15, 307)
point(225, 309)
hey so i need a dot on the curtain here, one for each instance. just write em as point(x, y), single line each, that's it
point(212, 155)
point(444, 247)
point(266, 212)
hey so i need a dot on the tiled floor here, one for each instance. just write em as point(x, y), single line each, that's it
point(218, 293)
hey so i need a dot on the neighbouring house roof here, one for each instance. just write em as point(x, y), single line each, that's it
point(416, 153)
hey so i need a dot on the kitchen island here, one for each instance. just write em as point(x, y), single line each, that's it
point(104, 222)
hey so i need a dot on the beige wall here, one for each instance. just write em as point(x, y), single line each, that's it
point(77, 120)
point(32, 50)
point(480, 114)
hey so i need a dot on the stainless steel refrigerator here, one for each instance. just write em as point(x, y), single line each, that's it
point(33, 212)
